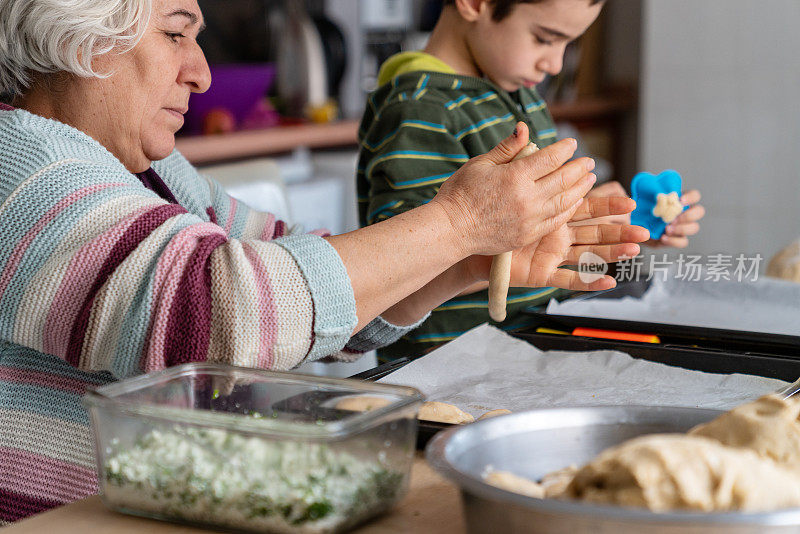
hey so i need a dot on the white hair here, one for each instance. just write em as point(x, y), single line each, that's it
point(48, 36)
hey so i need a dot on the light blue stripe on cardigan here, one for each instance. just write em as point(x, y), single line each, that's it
point(334, 302)
point(45, 401)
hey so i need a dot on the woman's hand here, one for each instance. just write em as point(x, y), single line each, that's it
point(495, 206)
point(677, 232)
point(685, 225)
point(537, 264)
point(608, 190)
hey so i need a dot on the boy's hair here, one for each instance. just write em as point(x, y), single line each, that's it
point(503, 8)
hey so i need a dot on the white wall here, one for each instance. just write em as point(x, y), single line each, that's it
point(721, 104)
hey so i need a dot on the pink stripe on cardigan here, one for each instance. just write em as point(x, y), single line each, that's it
point(74, 287)
point(267, 312)
point(174, 259)
point(131, 239)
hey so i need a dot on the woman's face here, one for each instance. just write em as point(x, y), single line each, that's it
point(137, 110)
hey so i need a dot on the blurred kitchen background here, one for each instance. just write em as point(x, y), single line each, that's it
point(706, 87)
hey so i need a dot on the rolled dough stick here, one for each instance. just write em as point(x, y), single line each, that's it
point(441, 412)
point(500, 273)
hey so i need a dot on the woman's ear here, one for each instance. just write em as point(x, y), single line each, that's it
point(471, 10)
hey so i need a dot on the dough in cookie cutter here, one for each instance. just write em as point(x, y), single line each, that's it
point(668, 206)
point(645, 190)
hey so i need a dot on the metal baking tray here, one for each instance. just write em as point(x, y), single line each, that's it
point(534, 443)
point(738, 341)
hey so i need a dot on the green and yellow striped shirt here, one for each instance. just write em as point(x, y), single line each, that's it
point(418, 128)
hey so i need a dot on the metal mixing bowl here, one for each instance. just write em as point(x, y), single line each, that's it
point(532, 444)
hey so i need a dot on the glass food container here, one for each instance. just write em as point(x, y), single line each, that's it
point(247, 449)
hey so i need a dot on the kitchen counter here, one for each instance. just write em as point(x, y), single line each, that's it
point(432, 505)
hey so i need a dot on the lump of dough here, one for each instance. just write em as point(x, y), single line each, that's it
point(494, 413)
point(678, 472)
point(786, 263)
point(441, 412)
point(556, 483)
point(768, 426)
point(514, 483)
point(668, 206)
point(363, 403)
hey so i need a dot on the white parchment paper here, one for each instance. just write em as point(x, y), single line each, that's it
point(485, 369)
point(765, 305)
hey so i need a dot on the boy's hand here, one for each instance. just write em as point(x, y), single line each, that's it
point(678, 231)
point(494, 206)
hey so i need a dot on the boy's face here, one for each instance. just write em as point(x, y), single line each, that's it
point(529, 43)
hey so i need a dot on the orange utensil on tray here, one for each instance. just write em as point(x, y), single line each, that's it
point(500, 273)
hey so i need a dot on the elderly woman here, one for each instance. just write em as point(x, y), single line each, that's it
point(117, 258)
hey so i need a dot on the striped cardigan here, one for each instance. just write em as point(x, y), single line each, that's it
point(101, 278)
point(417, 130)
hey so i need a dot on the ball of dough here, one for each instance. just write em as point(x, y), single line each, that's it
point(666, 472)
point(768, 426)
point(441, 412)
point(494, 413)
point(363, 403)
point(786, 263)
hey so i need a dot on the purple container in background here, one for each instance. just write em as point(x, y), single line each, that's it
point(235, 87)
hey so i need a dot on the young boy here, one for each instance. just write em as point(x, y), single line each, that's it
point(457, 99)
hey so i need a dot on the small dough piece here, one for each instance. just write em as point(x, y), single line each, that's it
point(514, 483)
point(441, 412)
point(786, 263)
point(494, 413)
point(557, 482)
point(364, 403)
point(668, 206)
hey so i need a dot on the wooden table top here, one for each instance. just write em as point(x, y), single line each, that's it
point(432, 505)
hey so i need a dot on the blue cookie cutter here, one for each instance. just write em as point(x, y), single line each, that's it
point(645, 189)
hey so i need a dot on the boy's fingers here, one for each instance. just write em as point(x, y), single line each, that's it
point(603, 207)
point(567, 279)
point(691, 197)
point(608, 234)
point(510, 146)
point(695, 213)
point(682, 230)
point(675, 242)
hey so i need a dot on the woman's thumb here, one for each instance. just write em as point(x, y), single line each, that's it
point(510, 146)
